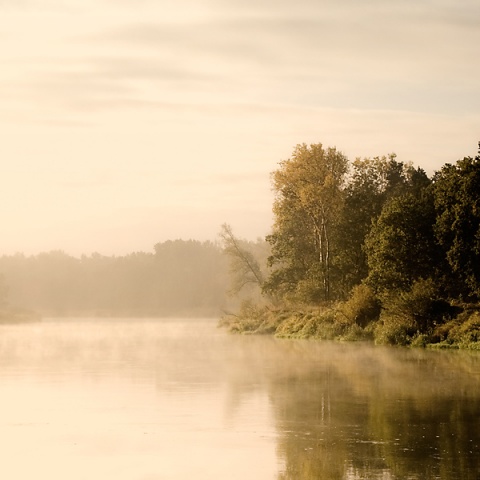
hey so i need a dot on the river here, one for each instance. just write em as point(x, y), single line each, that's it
point(151, 399)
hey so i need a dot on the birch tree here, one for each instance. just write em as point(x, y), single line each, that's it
point(308, 199)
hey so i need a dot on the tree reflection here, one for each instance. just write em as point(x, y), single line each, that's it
point(380, 414)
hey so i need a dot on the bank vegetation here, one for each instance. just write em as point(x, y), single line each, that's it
point(373, 249)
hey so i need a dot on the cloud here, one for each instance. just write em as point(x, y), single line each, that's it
point(387, 45)
point(342, 54)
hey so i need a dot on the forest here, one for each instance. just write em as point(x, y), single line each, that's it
point(373, 249)
point(179, 278)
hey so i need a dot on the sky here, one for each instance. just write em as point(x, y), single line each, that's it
point(125, 123)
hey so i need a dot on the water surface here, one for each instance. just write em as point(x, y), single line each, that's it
point(180, 399)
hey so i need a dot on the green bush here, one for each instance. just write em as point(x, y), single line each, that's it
point(319, 324)
point(466, 334)
point(393, 330)
point(420, 308)
point(355, 333)
point(291, 327)
point(420, 340)
point(252, 318)
point(362, 307)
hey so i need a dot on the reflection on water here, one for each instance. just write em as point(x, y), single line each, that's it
point(180, 399)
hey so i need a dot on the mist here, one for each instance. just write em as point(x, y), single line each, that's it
point(178, 278)
point(131, 130)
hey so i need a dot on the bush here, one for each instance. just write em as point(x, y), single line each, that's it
point(420, 340)
point(355, 333)
point(319, 324)
point(362, 307)
point(252, 318)
point(420, 308)
point(466, 334)
point(393, 330)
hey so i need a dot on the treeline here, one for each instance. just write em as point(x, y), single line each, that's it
point(373, 248)
point(178, 278)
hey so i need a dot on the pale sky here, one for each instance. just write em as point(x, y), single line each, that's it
point(129, 122)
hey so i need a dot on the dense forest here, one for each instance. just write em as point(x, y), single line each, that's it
point(179, 278)
point(369, 249)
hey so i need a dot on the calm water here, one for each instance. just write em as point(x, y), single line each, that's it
point(181, 399)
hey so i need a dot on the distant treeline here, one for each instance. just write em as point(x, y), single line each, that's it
point(179, 278)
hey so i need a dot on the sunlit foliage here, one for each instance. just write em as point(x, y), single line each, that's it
point(374, 248)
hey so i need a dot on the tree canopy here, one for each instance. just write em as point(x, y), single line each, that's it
point(372, 248)
point(338, 224)
point(308, 202)
point(457, 202)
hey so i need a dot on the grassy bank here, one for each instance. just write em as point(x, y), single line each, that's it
point(416, 320)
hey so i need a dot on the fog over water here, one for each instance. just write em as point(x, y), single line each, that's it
point(152, 399)
point(132, 130)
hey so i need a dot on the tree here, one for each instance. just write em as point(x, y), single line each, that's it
point(244, 267)
point(373, 182)
point(401, 246)
point(308, 201)
point(457, 201)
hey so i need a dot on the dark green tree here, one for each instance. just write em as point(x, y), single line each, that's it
point(401, 246)
point(457, 202)
point(373, 182)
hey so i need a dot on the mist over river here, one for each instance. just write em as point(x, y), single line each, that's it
point(151, 399)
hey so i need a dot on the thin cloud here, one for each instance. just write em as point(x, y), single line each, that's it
point(193, 103)
point(382, 55)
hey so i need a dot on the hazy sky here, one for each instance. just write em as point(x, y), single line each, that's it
point(129, 122)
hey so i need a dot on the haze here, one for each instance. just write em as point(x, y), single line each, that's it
point(126, 123)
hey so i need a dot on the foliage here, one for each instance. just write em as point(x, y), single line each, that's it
point(362, 307)
point(401, 246)
point(407, 314)
point(245, 269)
point(396, 249)
point(309, 198)
point(373, 182)
point(316, 323)
point(253, 318)
point(460, 332)
point(457, 227)
point(179, 278)
point(393, 330)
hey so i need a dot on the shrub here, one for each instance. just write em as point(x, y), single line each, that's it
point(466, 334)
point(420, 340)
point(251, 318)
point(393, 330)
point(362, 307)
point(420, 308)
point(355, 333)
point(319, 324)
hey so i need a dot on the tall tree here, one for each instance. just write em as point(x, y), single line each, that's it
point(401, 246)
point(373, 182)
point(457, 200)
point(308, 199)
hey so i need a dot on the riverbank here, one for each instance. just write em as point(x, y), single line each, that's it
point(335, 322)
